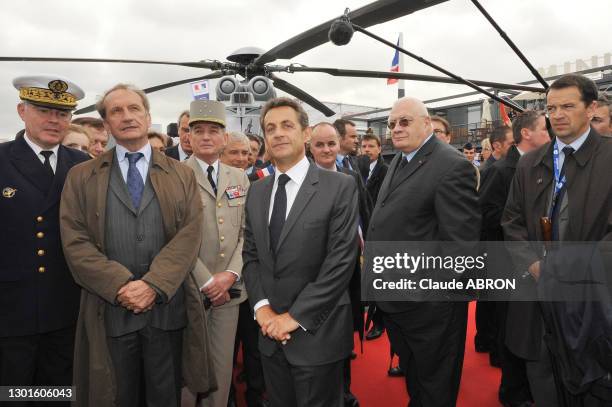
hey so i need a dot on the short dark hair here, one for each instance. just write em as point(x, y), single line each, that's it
point(445, 123)
point(155, 134)
point(371, 136)
point(183, 113)
point(468, 146)
point(90, 122)
point(586, 87)
point(524, 120)
point(340, 125)
point(284, 102)
point(257, 139)
point(499, 134)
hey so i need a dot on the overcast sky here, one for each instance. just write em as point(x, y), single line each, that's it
point(454, 35)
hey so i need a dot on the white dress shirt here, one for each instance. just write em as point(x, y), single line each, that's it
point(297, 173)
point(182, 154)
point(215, 174)
point(372, 166)
point(576, 144)
point(37, 149)
point(142, 165)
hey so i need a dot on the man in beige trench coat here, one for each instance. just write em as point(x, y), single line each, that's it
point(154, 307)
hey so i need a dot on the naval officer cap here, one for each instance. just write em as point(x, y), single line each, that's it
point(49, 91)
point(210, 111)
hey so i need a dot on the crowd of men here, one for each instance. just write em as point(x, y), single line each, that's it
point(134, 271)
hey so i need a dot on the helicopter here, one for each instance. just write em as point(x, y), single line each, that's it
point(249, 75)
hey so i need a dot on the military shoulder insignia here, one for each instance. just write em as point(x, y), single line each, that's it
point(8, 192)
point(235, 191)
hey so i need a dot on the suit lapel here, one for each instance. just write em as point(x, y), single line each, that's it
point(264, 209)
point(419, 159)
point(544, 179)
point(101, 178)
point(385, 186)
point(61, 169)
point(304, 195)
point(26, 162)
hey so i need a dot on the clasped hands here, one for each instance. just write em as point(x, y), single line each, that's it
point(217, 289)
point(275, 326)
point(137, 296)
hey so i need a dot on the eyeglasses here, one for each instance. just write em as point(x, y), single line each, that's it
point(403, 122)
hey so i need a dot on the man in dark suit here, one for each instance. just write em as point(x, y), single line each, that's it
point(324, 146)
point(373, 170)
point(529, 132)
point(573, 192)
point(182, 150)
point(429, 194)
point(39, 300)
point(299, 256)
point(349, 144)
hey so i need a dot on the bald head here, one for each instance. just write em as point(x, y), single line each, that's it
point(409, 123)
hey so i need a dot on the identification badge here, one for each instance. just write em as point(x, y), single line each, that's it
point(235, 191)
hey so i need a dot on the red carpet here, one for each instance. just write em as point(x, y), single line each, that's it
point(373, 388)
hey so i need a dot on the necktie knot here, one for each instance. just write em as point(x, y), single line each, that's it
point(283, 179)
point(46, 154)
point(210, 170)
point(345, 162)
point(568, 150)
point(134, 157)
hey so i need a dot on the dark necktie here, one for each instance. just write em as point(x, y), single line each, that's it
point(279, 211)
point(345, 162)
point(210, 178)
point(48, 170)
point(567, 151)
point(134, 179)
point(47, 164)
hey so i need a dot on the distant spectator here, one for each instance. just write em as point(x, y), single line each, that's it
point(485, 149)
point(501, 140)
point(182, 150)
point(77, 138)
point(441, 128)
point(157, 141)
point(469, 151)
point(236, 151)
point(99, 136)
point(602, 119)
point(255, 142)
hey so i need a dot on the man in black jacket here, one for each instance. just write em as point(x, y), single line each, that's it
point(39, 300)
point(529, 132)
point(428, 195)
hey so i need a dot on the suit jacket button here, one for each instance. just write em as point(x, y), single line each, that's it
point(41, 270)
point(222, 238)
point(40, 235)
point(140, 238)
point(220, 220)
point(40, 252)
point(222, 255)
point(218, 204)
point(382, 204)
point(39, 219)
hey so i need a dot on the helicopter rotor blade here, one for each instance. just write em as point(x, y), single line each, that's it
point(201, 64)
point(356, 73)
point(300, 94)
point(371, 14)
point(213, 75)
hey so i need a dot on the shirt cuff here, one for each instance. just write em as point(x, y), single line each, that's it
point(260, 304)
point(206, 283)
point(236, 274)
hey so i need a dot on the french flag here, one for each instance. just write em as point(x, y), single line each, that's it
point(394, 65)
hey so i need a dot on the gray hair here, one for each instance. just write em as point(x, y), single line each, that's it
point(101, 108)
point(237, 136)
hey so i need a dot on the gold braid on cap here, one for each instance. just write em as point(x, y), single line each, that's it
point(41, 95)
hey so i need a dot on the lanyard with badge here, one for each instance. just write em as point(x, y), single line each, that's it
point(546, 221)
point(559, 182)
